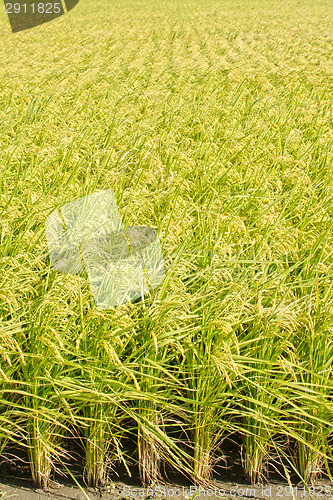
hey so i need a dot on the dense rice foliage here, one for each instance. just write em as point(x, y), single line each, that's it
point(212, 122)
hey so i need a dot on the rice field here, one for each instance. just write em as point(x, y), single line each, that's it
point(211, 121)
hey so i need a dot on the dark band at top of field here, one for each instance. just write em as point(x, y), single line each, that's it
point(26, 14)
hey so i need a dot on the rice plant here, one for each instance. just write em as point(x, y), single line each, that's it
point(215, 129)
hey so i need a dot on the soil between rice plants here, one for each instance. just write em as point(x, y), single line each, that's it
point(22, 490)
point(228, 483)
